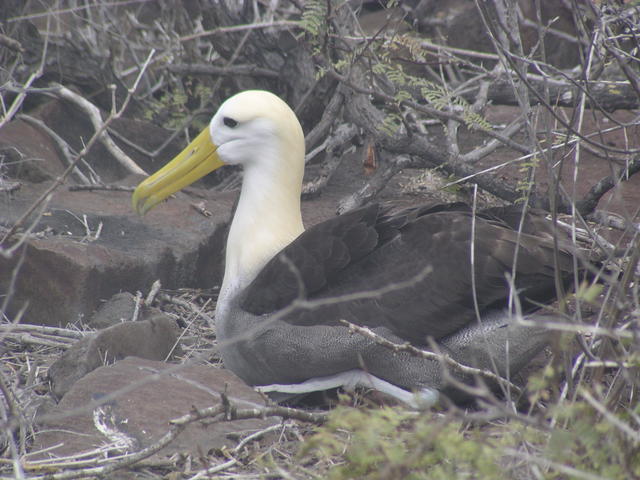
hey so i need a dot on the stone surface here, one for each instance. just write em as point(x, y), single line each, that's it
point(156, 392)
point(153, 339)
point(66, 272)
point(119, 308)
point(68, 267)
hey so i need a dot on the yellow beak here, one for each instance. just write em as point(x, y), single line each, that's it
point(193, 163)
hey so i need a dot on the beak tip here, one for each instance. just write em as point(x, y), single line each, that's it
point(138, 203)
point(135, 203)
point(194, 162)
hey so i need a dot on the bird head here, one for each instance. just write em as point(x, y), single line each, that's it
point(254, 129)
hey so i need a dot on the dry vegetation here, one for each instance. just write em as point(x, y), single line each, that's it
point(416, 103)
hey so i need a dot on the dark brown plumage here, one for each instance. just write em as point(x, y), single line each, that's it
point(371, 248)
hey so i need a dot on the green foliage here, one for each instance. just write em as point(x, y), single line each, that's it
point(391, 124)
point(539, 383)
point(384, 63)
point(526, 182)
point(592, 443)
point(589, 292)
point(451, 183)
point(314, 17)
point(173, 106)
point(395, 443)
point(437, 96)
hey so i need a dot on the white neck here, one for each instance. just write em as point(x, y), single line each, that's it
point(266, 220)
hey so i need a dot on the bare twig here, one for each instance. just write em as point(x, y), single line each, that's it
point(153, 291)
point(94, 115)
point(377, 182)
point(432, 112)
point(106, 188)
point(335, 148)
point(56, 332)
point(327, 120)
point(27, 339)
point(445, 359)
point(11, 43)
point(17, 102)
point(240, 28)
point(188, 305)
point(136, 307)
point(8, 396)
point(64, 147)
point(589, 202)
point(9, 187)
point(8, 252)
point(220, 412)
point(611, 418)
point(206, 69)
point(102, 128)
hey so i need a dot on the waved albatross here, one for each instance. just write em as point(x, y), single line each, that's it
point(406, 275)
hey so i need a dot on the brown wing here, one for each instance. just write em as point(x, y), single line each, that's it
point(423, 253)
point(307, 264)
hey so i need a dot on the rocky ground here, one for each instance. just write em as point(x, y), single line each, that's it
point(106, 343)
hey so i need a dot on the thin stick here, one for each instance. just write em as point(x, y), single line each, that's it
point(155, 288)
point(183, 303)
point(41, 329)
point(221, 412)
point(241, 28)
point(60, 142)
point(46, 194)
point(106, 188)
point(94, 115)
point(408, 348)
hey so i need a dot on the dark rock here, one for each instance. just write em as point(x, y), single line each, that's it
point(25, 152)
point(153, 339)
point(66, 272)
point(147, 395)
point(67, 268)
point(73, 125)
point(119, 308)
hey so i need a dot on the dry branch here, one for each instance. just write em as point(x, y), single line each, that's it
point(11, 43)
point(604, 95)
point(100, 129)
point(327, 120)
point(375, 185)
point(286, 24)
point(446, 360)
point(252, 51)
point(589, 202)
point(206, 69)
point(362, 112)
point(63, 146)
point(188, 305)
point(106, 188)
point(220, 413)
point(56, 332)
point(9, 187)
point(335, 145)
point(94, 115)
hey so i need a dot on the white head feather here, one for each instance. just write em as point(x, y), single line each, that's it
point(257, 130)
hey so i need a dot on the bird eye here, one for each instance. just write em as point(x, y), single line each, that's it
point(230, 122)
